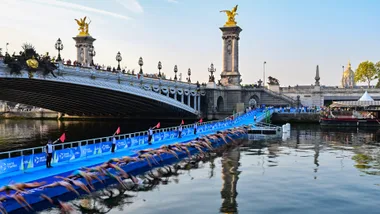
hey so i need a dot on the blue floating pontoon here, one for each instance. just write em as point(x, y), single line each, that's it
point(40, 173)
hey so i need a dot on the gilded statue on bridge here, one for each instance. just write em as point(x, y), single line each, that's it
point(230, 17)
point(83, 27)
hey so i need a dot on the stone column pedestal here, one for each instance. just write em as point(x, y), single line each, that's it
point(230, 56)
point(83, 43)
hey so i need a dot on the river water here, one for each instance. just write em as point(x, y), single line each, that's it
point(315, 171)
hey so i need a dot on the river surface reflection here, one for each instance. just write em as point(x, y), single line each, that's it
point(315, 171)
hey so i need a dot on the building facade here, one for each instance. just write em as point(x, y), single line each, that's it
point(348, 77)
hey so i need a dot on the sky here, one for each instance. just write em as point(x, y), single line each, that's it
point(292, 36)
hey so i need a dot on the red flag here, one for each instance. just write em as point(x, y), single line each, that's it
point(182, 122)
point(158, 125)
point(201, 120)
point(62, 138)
point(118, 130)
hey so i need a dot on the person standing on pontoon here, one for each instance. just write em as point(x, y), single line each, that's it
point(113, 144)
point(150, 135)
point(49, 153)
point(195, 127)
point(180, 131)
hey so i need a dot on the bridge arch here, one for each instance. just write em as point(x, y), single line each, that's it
point(78, 92)
point(220, 104)
point(253, 101)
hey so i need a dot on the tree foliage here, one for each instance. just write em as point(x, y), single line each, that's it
point(366, 72)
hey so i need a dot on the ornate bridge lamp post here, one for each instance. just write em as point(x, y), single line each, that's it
point(189, 73)
point(59, 47)
point(141, 63)
point(92, 53)
point(159, 66)
point(175, 72)
point(259, 82)
point(118, 59)
point(212, 71)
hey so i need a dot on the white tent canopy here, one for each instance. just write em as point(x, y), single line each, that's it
point(366, 97)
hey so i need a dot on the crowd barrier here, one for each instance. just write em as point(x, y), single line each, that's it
point(65, 152)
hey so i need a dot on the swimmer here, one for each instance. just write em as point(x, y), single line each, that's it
point(118, 178)
point(88, 176)
point(168, 151)
point(21, 200)
point(64, 207)
point(114, 160)
point(128, 159)
point(76, 183)
point(117, 168)
point(65, 184)
point(21, 187)
point(148, 157)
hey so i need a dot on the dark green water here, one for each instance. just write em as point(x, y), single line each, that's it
point(315, 171)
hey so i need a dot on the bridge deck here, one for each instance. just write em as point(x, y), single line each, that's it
point(41, 172)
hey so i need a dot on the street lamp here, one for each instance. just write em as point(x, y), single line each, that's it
point(189, 73)
point(264, 72)
point(92, 53)
point(6, 48)
point(141, 63)
point(211, 70)
point(259, 82)
point(159, 66)
point(118, 59)
point(175, 72)
point(59, 47)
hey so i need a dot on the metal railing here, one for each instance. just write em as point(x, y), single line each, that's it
point(35, 150)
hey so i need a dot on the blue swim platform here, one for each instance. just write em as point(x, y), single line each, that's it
point(41, 173)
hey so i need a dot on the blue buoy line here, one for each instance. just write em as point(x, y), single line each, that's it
point(67, 161)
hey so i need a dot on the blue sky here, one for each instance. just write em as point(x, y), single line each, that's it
point(292, 36)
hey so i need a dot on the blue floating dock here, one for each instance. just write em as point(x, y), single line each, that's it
point(41, 173)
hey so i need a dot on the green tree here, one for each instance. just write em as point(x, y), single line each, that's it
point(377, 67)
point(366, 72)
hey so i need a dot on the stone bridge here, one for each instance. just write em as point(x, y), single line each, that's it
point(325, 95)
point(90, 92)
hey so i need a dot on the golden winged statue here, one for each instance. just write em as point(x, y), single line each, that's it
point(230, 17)
point(83, 27)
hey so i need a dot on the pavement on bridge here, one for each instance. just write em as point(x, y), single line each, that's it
point(60, 168)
